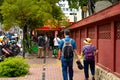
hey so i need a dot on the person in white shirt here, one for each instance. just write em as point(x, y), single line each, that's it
point(56, 41)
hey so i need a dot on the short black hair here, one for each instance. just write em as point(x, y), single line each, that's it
point(66, 31)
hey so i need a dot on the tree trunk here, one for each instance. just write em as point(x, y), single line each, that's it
point(82, 14)
point(24, 39)
point(89, 7)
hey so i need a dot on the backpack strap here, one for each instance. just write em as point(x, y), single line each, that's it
point(66, 42)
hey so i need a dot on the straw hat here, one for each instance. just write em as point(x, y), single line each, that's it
point(87, 41)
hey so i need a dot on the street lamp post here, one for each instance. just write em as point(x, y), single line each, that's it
point(84, 10)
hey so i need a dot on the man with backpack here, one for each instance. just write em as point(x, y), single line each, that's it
point(67, 48)
point(88, 52)
point(41, 44)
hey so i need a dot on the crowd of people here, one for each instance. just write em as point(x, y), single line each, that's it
point(67, 49)
point(47, 42)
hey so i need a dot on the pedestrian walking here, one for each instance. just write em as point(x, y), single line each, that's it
point(47, 45)
point(67, 48)
point(51, 41)
point(56, 41)
point(88, 52)
point(41, 42)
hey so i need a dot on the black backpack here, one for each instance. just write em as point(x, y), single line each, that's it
point(67, 49)
point(41, 41)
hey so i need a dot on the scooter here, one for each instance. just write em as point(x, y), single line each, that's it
point(15, 48)
point(6, 51)
point(9, 47)
point(1, 55)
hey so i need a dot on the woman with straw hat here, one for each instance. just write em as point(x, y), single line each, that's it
point(88, 52)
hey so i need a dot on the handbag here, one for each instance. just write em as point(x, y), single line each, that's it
point(55, 52)
point(79, 64)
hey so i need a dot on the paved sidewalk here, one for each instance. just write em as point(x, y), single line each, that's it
point(51, 70)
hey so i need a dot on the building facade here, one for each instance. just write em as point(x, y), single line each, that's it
point(73, 15)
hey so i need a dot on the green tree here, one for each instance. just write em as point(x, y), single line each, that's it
point(81, 3)
point(28, 14)
point(1, 1)
point(57, 14)
point(58, 17)
point(89, 3)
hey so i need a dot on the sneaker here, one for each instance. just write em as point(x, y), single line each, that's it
point(42, 56)
point(53, 55)
point(38, 57)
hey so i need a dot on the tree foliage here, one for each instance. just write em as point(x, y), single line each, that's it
point(20, 12)
point(76, 3)
point(34, 13)
point(1, 1)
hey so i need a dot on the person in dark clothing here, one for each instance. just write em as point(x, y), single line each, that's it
point(51, 42)
point(41, 42)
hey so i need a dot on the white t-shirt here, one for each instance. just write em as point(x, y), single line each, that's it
point(56, 40)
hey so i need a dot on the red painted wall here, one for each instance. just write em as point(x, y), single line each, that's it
point(104, 30)
point(105, 53)
point(117, 48)
point(117, 63)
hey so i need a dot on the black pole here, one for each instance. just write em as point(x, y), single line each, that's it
point(24, 39)
point(44, 61)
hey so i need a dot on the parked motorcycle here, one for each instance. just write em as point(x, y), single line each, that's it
point(14, 47)
point(10, 48)
point(6, 50)
point(1, 55)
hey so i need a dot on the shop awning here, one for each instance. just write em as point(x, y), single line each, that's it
point(46, 28)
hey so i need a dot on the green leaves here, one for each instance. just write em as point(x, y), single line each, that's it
point(13, 67)
point(77, 3)
point(31, 12)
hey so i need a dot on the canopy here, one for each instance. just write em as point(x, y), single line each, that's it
point(46, 28)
